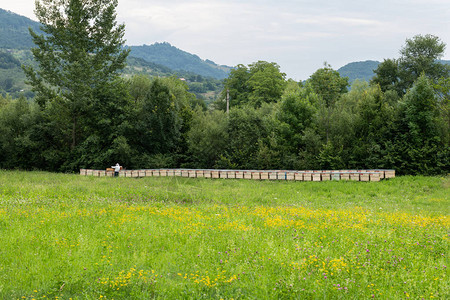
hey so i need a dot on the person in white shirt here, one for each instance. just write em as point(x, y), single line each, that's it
point(116, 168)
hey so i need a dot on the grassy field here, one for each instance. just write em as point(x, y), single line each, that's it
point(67, 236)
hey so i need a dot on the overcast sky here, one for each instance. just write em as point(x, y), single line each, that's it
point(298, 35)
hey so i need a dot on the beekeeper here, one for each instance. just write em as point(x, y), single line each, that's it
point(116, 168)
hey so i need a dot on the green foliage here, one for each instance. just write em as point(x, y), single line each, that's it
point(420, 54)
point(260, 82)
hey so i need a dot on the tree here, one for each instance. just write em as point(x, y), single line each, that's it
point(329, 85)
point(420, 54)
point(79, 53)
point(266, 83)
point(260, 82)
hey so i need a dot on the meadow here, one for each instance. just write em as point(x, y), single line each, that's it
point(75, 237)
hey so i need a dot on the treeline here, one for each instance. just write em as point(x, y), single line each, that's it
point(156, 123)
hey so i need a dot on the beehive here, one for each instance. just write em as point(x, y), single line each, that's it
point(316, 176)
point(247, 175)
point(264, 175)
point(326, 176)
point(364, 176)
point(374, 176)
point(354, 176)
point(298, 176)
point(256, 175)
point(231, 174)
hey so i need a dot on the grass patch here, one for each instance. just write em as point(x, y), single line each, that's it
point(69, 236)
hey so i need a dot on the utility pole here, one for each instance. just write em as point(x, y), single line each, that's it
point(228, 101)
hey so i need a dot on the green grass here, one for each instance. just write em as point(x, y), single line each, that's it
point(67, 236)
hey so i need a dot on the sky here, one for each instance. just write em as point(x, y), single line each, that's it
point(297, 35)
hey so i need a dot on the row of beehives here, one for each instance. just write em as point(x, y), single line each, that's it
point(317, 175)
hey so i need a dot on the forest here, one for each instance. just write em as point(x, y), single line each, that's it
point(85, 115)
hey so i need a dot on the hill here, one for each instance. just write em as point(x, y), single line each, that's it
point(167, 55)
point(362, 70)
point(14, 32)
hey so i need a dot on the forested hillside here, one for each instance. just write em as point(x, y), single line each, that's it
point(14, 31)
point(362, 70)
point(176, 59)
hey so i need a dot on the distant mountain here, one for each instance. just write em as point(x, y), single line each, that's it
point(167, 55)
point(362, 70)
point(14, 32)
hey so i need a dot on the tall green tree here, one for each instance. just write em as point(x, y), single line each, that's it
point(79, 53)
point(420, 54)
point(260, 82)
point(329, 85)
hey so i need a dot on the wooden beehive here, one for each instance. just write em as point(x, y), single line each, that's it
point(135, 173)
point(281, 175)
point(290, 175)
point(163, 173)
point(316, 176)
point(345, 176)
point(192, 173)
point(298, 176)
point(354, 176)
point(171, 172)
point(364, 176)
point(374, 176)
point(122, 174)
point(199, 173)
point(247, 175)
point(326, 176)
point(141, 173)
point(177, 172)
point(231, 174)
point(223, 174)
point(239, 174)
point(389, 173)
point(256, 175)
point(335, 176)
point(110, 173)
point(101, 173)
point(148, 173)
point(273, 175)
point(207, 173)
point(307, 176)
point(264, 175)
point(215, 174)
